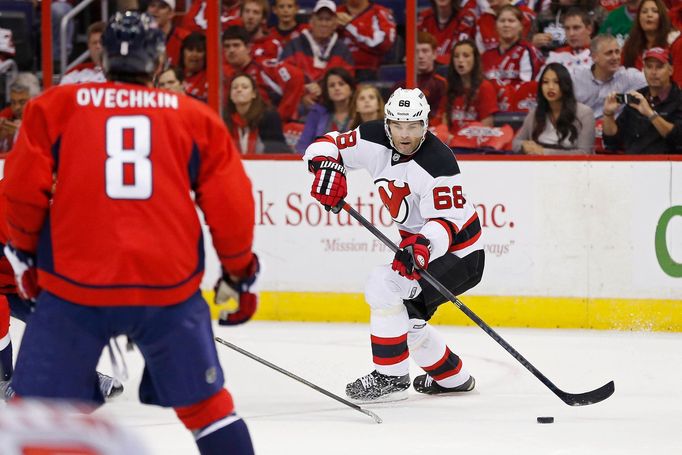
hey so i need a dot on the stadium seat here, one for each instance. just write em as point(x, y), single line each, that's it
point(392, 73)
point(513, 119)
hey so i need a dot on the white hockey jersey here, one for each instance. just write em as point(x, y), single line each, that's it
point(423, 193)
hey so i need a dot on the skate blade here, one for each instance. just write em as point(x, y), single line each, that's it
point(395, 396)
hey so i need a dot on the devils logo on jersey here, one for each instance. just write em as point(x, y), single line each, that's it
point(393, 194)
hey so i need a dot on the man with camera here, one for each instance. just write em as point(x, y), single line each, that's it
point(651, 122)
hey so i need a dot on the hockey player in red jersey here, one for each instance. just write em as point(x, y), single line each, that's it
point(419, 182)
point(116, 244)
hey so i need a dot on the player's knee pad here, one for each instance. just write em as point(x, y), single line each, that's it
point(386, 290)
point(199, 415)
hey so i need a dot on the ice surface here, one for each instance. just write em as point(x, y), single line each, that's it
point(286, 417)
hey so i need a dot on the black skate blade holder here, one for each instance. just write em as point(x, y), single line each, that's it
point(571, 399)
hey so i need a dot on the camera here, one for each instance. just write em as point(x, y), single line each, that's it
point(624, 98)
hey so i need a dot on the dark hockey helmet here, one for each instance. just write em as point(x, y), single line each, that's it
point(132, 44)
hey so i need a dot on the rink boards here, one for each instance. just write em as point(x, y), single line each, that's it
point(574, 243)
point(569, 243)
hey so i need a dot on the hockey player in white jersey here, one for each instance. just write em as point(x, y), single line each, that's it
point(419, 182)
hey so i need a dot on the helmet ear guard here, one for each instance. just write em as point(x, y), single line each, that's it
point(406, 105)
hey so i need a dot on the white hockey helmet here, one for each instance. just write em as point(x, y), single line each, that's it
point(407, 105)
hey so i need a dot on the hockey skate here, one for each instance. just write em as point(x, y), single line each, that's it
point(110, 387)
point(378, 388)
point(425, 384)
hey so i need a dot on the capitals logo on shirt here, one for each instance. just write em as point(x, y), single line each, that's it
point(393, 194)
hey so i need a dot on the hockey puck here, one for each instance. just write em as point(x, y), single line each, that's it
point(545, 419)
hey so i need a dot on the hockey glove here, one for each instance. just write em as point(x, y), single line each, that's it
point(238, 289)
point(25, 272)
point(329, 186)
point(413, 254)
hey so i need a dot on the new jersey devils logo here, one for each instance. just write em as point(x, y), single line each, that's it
point(393, 194)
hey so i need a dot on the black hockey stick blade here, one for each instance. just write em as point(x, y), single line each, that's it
point(260, 360)
point(579, 399)
point(591, 397)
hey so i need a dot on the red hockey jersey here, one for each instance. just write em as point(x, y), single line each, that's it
point(460, 26)
point(369, 35)
point(520, 63)
point(100, 185)
point(483, 104)
point(195, 19)
point(174, 44)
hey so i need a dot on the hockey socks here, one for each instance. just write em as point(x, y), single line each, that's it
point(429, 350)
point(228, 435)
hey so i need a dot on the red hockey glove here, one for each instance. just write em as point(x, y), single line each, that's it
point(25, 272)
point(329, 186)
point(238, 289)
point(413, 254)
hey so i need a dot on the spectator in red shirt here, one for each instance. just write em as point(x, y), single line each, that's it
point(255, 127)
point(163, 11)
point(448, 22)
point(651, 29)
point(91, 70)
point(676, 46)
point(369, 31)
point(433, 85)
point(318, 49)
point(514, 61)
point(470, 97)
point(24, 87)
point(576, 54)
point(486, 27)
point(279, 83)
point(254, 16)
point(192, 65)
point(287, 27)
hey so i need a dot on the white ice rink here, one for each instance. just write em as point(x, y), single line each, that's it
point(644, 416)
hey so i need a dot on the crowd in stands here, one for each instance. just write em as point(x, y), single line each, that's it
point(509, 76)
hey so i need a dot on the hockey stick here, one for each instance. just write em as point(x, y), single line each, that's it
point(374, 416)
point(572, 399)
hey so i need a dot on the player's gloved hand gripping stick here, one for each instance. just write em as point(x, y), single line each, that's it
point(329, 186)
point(572, 399)
point(239, 289)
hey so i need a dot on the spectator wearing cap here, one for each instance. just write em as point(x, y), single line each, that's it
point(91, 70)
point(369, 31)
point(318, 49)
point(279, 83)
point(24, 87)
point(606, 75)
point(651, 123)
point(163, 11)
